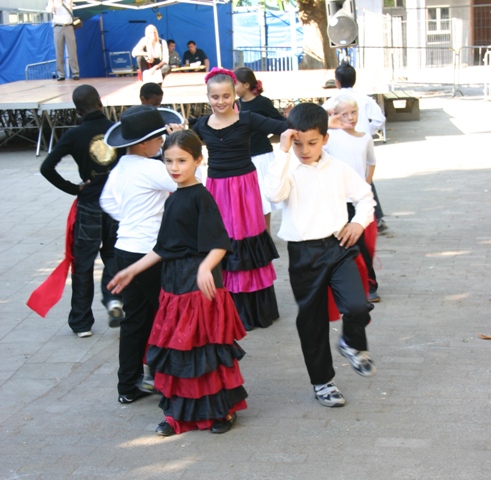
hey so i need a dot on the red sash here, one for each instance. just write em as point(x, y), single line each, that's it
point(48, 294)
point(370, 241)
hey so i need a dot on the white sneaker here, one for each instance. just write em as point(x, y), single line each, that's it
point(329, 395)
point(84, 334)
point(116, 314)
point(360, 360)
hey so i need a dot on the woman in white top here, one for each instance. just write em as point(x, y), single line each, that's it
point(151, 52)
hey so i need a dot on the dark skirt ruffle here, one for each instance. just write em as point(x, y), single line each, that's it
point(215, 406)
point(179, 275)
point(250, 253)
point(211, 383)
point(257, 309)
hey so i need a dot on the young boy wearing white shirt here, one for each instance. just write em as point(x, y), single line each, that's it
point(314, 187)
point(356, 149)
point(134, 195)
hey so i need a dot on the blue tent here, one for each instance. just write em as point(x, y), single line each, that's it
point(117, 30)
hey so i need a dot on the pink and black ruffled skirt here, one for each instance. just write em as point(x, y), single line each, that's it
point(248, 272)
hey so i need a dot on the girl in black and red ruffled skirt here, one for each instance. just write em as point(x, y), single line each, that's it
point(192, 348)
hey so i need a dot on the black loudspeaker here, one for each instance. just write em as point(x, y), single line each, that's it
point(342, 28)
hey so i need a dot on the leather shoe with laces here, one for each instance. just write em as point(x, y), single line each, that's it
point(224, 425)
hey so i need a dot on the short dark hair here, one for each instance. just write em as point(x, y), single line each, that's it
point(150, 89)
point(308, 116)
point(187, 140)
point(86, 99)
point(171, 41)
point(191, 42)
point(346, 75)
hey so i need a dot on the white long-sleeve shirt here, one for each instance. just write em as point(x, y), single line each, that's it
point(60, 15)
point(370, 116)
point(134, 195)
point(315, 196)
point(357, 152)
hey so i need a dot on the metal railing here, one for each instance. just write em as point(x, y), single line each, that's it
point(267, 58)
point(487, 84)
point(41, 70)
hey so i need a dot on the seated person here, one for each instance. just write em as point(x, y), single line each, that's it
point(151, 52)
point(193, 55)
point(174, 58)
point(151, 94)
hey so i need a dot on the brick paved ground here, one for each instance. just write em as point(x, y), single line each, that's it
point(424, 416)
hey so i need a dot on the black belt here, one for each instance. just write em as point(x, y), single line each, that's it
point(62, 25)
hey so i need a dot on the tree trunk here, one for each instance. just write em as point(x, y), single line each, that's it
point(317, 52)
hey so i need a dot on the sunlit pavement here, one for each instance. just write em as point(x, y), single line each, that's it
point(424, 416)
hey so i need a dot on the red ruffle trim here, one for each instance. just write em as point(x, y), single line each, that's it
point(210, 383)
point(181, 427)
point(191, 320)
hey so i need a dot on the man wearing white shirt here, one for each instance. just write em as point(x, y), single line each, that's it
point(314, 187)
point(64, 34)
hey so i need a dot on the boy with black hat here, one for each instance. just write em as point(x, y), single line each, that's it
point(134, 195)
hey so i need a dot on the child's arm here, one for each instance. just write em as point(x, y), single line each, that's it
point(125, 276)
point(369, 175)
point(204, 278)
point(371, 161)
point(276, 183)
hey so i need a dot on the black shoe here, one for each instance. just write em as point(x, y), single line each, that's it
point(76, 77)
point(132, 397)
point(165, 429)
point(60, 79)
point(224, 425)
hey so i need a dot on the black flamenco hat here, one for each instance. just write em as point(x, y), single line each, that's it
point(140, 123)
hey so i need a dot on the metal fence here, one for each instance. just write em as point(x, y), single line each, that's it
point(267, 58)
point(41, 70)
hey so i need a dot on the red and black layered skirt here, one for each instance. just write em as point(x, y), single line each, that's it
point(193, 350)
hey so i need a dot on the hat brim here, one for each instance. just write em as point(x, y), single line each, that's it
point(114, 137)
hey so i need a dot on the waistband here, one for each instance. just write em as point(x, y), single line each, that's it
point(62, 24)
point(318, 242)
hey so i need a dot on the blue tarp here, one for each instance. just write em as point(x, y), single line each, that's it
point(24, 44)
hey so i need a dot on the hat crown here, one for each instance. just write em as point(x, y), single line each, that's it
point(140, 121)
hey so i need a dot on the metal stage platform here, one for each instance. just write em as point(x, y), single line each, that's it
point(44, 107)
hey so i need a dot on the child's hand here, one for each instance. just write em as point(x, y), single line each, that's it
point(174, 127)
point(206, 283)
point(288, 109)
point(287, 138)
point(335, 120)
point(350, 234)
point(120, 281)
point(82, 185)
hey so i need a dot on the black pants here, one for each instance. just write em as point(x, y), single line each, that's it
point(144, 65)
point(379, 214)
point(141, 302)
point(94, 232)
point(315, 265)
point(367, 258)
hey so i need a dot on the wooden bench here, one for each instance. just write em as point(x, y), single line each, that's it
point(401, 106)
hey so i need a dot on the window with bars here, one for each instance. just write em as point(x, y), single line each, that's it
point(438, 19)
